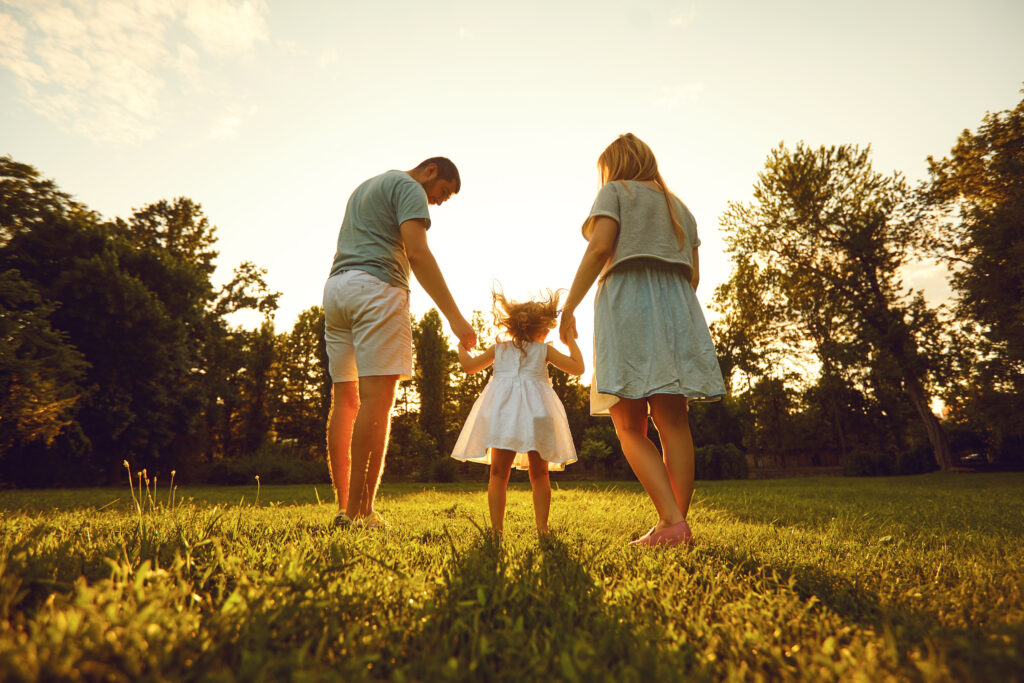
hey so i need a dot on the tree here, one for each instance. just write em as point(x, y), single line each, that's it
point(434, 365)
point(260, 354)
point(974, 202)
point(39, 371)
point(302, 395)
point(134, 299)
point(464, 388)
point(834, 234)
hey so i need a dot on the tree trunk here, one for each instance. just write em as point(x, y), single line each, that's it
point(890, 325)
point(937, 437)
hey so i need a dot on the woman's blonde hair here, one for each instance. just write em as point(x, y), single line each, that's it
point(629, 158)
point(524, 320)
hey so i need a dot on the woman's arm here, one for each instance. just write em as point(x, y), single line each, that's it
point(695, 278)
point(573, 363)
point(601, 247)
point(471, 364)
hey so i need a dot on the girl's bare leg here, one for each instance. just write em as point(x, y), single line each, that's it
point(497, 485)
point(540, 482)
point(672, 418)
point(630, 419)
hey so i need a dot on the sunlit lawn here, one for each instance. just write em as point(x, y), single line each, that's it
point(912, 578)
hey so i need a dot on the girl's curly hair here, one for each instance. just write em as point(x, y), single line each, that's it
point(523, 320)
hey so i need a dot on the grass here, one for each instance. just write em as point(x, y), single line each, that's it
point(913, 578)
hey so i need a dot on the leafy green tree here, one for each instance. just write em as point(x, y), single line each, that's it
point(134, 298)
point(260, 354)
point(434, 367)
point(302, 394)
point(135, 401)
point(39, 371)
point(832, 234)
point(464, 388)
point(974, 200)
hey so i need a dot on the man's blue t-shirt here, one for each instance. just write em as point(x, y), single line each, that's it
point(370, 238)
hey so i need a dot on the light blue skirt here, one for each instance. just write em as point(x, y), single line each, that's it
point(650, 337)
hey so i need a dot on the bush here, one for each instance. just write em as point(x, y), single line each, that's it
point(720, 461)
point(411, 451)
point(442, 470)
point(594, 453)
point(919, 460)
point(274, 464)
point(869, 462)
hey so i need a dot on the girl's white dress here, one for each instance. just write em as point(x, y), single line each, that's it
point(519, 411)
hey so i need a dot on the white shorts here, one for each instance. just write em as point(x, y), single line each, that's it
point(368, 330)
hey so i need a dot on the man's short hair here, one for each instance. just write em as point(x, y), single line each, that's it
point(445, 170)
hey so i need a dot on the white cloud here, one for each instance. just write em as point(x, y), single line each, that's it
point(99, 67)
point(672, 96)
point(227, 127)
point(931, 277)
point(227, 28)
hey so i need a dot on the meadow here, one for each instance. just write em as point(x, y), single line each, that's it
point(910, 578)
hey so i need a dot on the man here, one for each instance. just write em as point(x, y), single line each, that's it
point(369, 338)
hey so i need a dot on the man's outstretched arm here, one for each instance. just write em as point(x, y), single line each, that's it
point(428, 274)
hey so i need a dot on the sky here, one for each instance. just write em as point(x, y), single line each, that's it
point(269, 113)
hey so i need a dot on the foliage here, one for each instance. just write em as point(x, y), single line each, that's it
point(839, 579)
point(162, 374)
point(274, 464)
point(974, 202)
point(39, 371)
point(820, 247)
point(410, 450)
point(720, 461)
point(302, 385)
point(434, 365)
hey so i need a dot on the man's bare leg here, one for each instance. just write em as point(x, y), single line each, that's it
point(369, 442)
point(344, 406)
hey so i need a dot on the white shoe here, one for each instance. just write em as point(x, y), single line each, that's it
point(373, 521)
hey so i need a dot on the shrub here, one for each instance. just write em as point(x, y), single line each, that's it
point(869, 462)
point(594, 452)
point(274, 463)
point(442, 470)
point(919, 460)
point(720, 461)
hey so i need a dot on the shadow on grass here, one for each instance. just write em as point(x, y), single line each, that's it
point(534, 615)
point(985, 652)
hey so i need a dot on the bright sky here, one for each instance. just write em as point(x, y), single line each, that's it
point(270, 113)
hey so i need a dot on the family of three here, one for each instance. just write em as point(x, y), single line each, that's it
point(652, 350)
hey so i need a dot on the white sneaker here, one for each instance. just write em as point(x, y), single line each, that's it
point(373, 521)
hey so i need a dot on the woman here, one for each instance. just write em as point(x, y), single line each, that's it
point(652, 349)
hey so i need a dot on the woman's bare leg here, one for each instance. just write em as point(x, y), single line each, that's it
point(630, 419)
point(672, 418)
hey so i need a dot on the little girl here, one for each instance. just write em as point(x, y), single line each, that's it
point(518, 421)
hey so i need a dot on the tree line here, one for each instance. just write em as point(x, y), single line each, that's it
point(116, 345)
